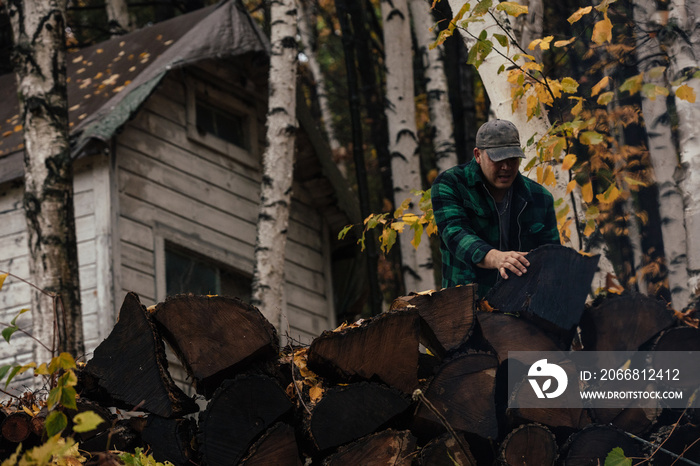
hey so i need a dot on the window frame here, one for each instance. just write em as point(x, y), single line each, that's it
point(227, 101)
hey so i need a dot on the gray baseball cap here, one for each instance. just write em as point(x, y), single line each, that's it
point(500, 140)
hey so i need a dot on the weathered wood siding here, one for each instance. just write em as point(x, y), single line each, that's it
point(171, 188)
point(15, 295)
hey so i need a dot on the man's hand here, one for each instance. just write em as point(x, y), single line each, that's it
point(505, 260)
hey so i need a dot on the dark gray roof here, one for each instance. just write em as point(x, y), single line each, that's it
point(108, 82)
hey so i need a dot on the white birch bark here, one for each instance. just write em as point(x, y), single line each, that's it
point(663, 155)
point(498, 89)
point(529, 27)
point(307, 39)
point(278, 164)
point(436, 85)
point(38, 27)
point(681, 59)
point(118, 18)
point(403, 142)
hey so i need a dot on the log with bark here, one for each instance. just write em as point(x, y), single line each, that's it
point(448, 313)
point(240, 410)
point(130, 364)
point(384, 349)
point(385, 447)
point(215, 337)
point(277, 446)
point(527, 445)
point(347, 413)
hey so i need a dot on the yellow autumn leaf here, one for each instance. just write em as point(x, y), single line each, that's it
point(564, 43)
point(686, 93)
point(18, 128)
point(549, 178)
point(578, 108)
point(587, 192)
point(540, 174)
point(605, 98)
point(568, 162)
point(512, 8)
point(569, 85)
point(543, 43)
point(610, 194)
point(2, 278)
point(602, 31)
point(602, 84)
point(431, 229)
point(570, 187)
point(315, 393)
point(529, 66)
point(578, 14)
point(590, 228)
point(410, 219)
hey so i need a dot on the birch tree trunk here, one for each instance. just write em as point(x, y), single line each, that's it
point(118, 19)
point(403, 142)
point(529, 27)
point(436, 85)
point(278, 164)
point(682, 60)
point(39, 33)
point(663, 155)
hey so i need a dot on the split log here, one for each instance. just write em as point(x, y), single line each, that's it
point(384, 348)
point(386, 447)
point(215, 337)
point(623, 323)
point(170, 439)
point(445, 450)
point(449, 313)
point(130, 364)
point(591, 445)
point(348, 413)
point(463, 393)
point(277, 446)
point(633, 420)
point(95, 439)
point(240, 410)
point(529, 408)
point(509, 333)
point(553, 291)
point(528, 445)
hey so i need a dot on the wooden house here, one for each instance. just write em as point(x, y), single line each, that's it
point(167, 131)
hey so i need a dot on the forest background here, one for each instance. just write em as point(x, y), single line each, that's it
point(604, 94)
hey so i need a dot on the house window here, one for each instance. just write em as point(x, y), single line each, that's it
point(188, 272)
point(222, 124)
point(223, 120)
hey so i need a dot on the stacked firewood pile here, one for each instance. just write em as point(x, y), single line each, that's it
point(421, 384)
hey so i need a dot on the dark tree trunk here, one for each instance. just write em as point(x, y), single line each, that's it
point(592, 445)
point(528, 445)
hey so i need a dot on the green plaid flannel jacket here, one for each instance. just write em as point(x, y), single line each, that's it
point(467, 221)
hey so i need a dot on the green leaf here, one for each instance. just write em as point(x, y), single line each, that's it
point(569, 85)
point(4, 370)
point(344, 231)
point(55, 422)
point(68, 396)
point(530, 164)
point(12, 375)
point(591, 138)
point(617, 457)
point(503, 40)
point(7, 333)
point(54, 397)
point(14, 321)
point(62, 361)
point(482, 8)
point(2, 278)
point(86, 421)
point(605, 98)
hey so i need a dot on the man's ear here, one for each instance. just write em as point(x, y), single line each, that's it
point(477, 155)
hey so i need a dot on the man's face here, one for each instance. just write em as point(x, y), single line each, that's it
point(499, 175)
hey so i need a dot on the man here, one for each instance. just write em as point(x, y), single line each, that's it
point(488, 214)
